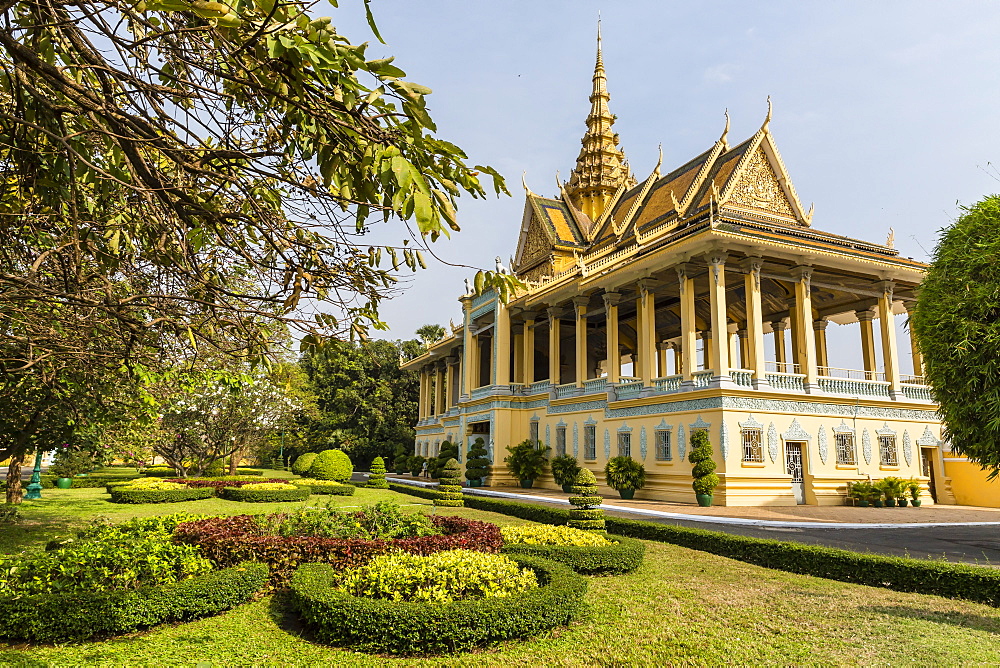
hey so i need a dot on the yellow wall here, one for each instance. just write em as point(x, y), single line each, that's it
point(969, 484)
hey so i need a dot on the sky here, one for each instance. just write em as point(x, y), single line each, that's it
point(885, 113)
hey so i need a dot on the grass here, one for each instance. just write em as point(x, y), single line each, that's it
point(681, 607)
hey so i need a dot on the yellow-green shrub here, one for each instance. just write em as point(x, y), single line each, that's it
point(269, 485)
point(553, 535)
point(154, 483)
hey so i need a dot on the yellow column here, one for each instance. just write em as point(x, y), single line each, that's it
point(778, 327)
point(865, 318)
point(661, 350)
point(469, 347)
point(890, 355)
point(755, 319)
point(819, 326)
point(688, 346)
point(518, 353)
point(614, 361)
point(647, 330)
point(743, 337)
point(529, 347)
point(439, 389)
point(706, 350)
point(918, 358)
point(580, 306)
point(804, 313)
point(555, 367)
point(453, 375)
point(423, 392)
point(720, 320)
point(796, 335)
point(501, 339)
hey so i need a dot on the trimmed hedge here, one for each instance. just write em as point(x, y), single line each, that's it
point(167, 472)
point(376, 478)
point(220, 483)
point(230, 540)
point(302, 463)
point(123, 494)
point(332, 465)
point(396, 627)
point(326, 487)
point(90, 481)
point(938, 578)
point(625, 555)
point(77, 616)
point(266, 495)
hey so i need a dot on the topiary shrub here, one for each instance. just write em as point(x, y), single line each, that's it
point(302, 463)
point(625, 475)
point(401, 464)
point(447, 451)
point(477, 463)
point(586, 514)
point(332, 465)
point(416, 464)
point(705, 480)
point(377, 477)
point(449, 488)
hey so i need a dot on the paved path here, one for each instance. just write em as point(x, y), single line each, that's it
point(957, 533)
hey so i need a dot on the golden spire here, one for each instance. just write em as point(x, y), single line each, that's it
point(601, 167)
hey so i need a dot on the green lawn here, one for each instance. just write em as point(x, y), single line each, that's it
point(681, 607)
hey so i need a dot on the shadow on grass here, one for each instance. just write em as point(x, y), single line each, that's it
point(965, 620)
point(284, 617)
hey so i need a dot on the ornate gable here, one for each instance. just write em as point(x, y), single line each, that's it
point(758, 187)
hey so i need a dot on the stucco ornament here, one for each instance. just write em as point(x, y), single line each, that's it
point(576, 440)
point(772, 442)
point(724, 440)
point(907, 448)
point(681, 442)
point(821, 440)
point(642, 443)
point(866, 446)
point(607, 444)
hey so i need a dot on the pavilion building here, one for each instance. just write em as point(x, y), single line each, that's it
point(644, 319)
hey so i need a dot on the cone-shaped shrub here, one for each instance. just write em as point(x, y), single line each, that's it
point(586, 514)
point(332, 465)
point(476, 463)
point(377, 477)
point(449, 488)
point(703, 472)
point(435, 466)
point(301, 465)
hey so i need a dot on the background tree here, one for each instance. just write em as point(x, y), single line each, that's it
point(430, 333)
point(957, 325)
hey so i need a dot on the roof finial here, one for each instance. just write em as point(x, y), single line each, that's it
point(659, 162)
point(725, 132)
point(524, 182)
point(770, 108)
point(600, 60)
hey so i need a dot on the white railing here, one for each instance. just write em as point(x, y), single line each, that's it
point(860, 388)
point(595, 385)
point(794, 382)
point(912, 380)
point(566, 390)
point(668, 383)
point(850, 374)
point(702, 378)
point(781, 367)
point(517, 388)
point(480, 392)
point(629, 387)
point(539, 386)
point(742, 377)
point(918, 392)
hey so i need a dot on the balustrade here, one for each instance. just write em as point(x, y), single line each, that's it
point(742, 377)
point(850, 374)
point(794, 382)
point(781, 367)
point(566, 390)
point(853, 387)
point(539, 386)
point(669, 383)
point(917, 392)
point(595, 385)
point(702, 378)
point(629, 388)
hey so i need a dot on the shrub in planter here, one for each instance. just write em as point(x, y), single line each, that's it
point(703, 472)
point(586, 514)
point(913, 487)
point(564, 469)
point(587, 552)
point(416, 464)
point(376, 477)
point(374, 625)
point(527, 460)
point(302, 463)
point(401, 464)
point(449, 486)
point(477, 463)
point(331, 487)
point(625, 475)
point(266, 492)
point(332, 465)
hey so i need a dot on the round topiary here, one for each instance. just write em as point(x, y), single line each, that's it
point(377, 477)
point(332, 465)
point(477, 463)
point(586, 514)
point(449, 488)
point(301, 465)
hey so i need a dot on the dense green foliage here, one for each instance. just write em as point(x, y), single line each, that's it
point(477, 463)
point(552, 535)
point(956, 324)
point(331, 487)
point(624, 473)
point(373, 625)
point(332, 465)
point(382, 521)
point(448, 450)
point(68, 462)
point(527, 459)
point(376, 477)
point(130, 494)
point(622, 555)
point(442, 577)
point(256, 494)
point(564, 469)
point(303, 462)
point(703, 472)
point(586, 514)
point(81, 614)
point(449, 488)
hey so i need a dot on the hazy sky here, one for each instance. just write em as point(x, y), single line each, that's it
point(886, 113)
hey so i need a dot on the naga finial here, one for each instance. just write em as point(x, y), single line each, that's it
point(659, 161)
point(770, 109)
point(725, 131)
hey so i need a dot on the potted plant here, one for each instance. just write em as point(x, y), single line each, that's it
point(913, 487)
point(625, 475)
point(861, 491)
point(526, 461)
point(69, 463)
point(477, 463)
point(895, 491)
point(564, 470)
point(705, 479)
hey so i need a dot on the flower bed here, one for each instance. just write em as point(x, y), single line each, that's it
point(230, 540)
point(218, 484)
point(376, 625)
point(266, 493)
point(592, 553)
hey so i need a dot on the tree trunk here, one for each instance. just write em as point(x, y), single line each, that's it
point(14, 491)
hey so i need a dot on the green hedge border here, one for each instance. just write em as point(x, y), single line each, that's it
point(340, 489)
point(623, 556)
point(938, 578)
point(166, 472)
point(122, 494)
point(59, 617)
point(393, 627)
point(300, 493)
